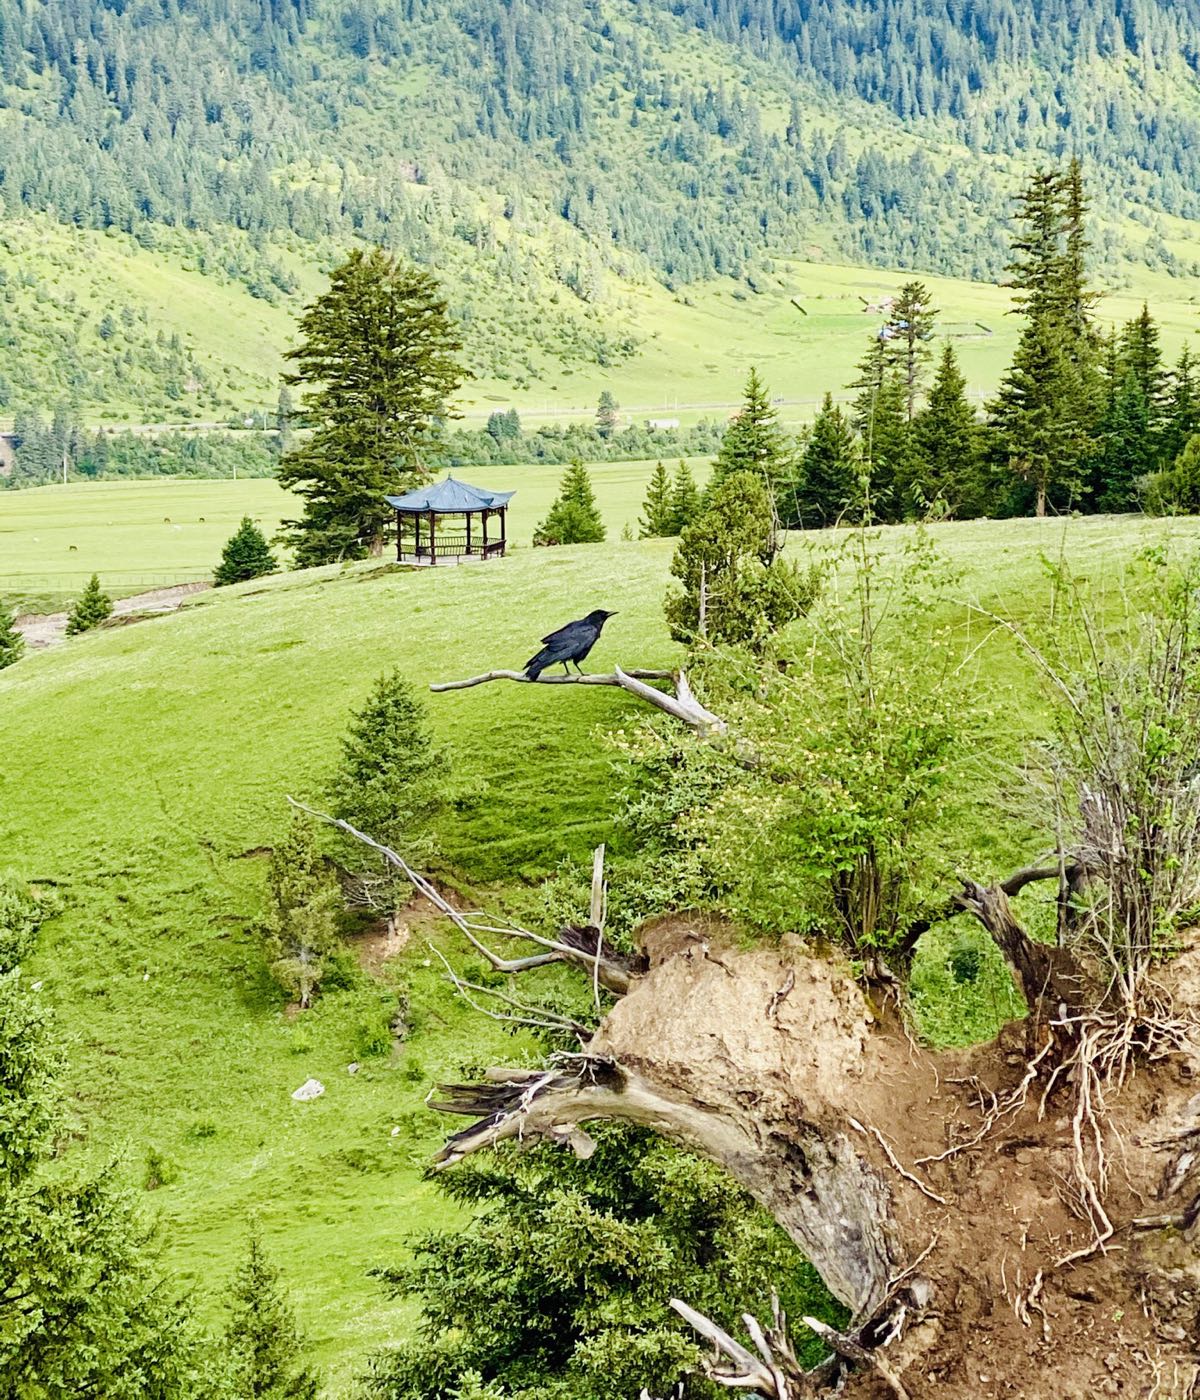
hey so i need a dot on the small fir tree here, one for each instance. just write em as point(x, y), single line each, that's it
point(1177, 491)
point(658, 516)
point(302, 908)
point(93, 607)
point(948, 442)
point(263, 1342)
point(12, 644)
point(827, 487)
point(574, 517)
point(606, 415)
point(390, 784)
point(735, 588)
point(910, 330)
point(685, 498)
point(246, 555)
point(753, 441)
point(1182, 409)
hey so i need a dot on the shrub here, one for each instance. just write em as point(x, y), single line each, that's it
point(301, 923)
point(735, 587)
point(12, 644)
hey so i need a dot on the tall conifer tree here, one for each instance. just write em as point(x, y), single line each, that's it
point(378, 362)
point(753, 441)
point(948, 442)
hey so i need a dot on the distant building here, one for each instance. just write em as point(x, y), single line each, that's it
point(659, 424)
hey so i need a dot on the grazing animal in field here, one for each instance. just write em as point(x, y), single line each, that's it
point(569, 644)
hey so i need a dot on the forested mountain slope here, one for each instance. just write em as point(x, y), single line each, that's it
point(545, 155)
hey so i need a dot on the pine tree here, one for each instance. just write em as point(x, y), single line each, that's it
point(910, 328)
point(827, 487)
point(753, 442)
point(301, 921)
point(685, 498)
point(12, 644)
point(880, 418)
point(606, 415)
point(948, 442)
point(390, 781)
point(378, 357)
point(261, 1336)
point(1181, 412)
point(735, 588)
point(92, 608)
point(1140, 356)
point(574, 517)
point(658, 517)
point(1127, 447)
point(246, 555)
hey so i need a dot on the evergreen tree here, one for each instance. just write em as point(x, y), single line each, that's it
point(285, 414)
point(947, 440)
point(879, 415)
point(390, 783)
point(1127, 446)
point(574, 517)
point(735, 588)
point(1181, 413)
point(753, 442)
point(263, 1341)
point(685, 498)
point(302, 906)
point(910, 328)
point(658, 516)
point(12, 644)
point(606, 415)
point(828, 487)
point(246, 555)
point(1177, 490)
point(379, 358)
point(92, 608)
point(1141, 357)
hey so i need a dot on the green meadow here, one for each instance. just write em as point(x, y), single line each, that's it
point(139, 535)
point(145, 776)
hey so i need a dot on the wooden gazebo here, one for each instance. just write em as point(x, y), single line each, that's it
point(434, 523)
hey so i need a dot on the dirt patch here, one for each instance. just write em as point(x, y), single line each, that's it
point(387, 938)
point(48, 629)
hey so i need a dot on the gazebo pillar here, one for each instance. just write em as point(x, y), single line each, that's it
point(503, 528)
point(417, 542)
point(468, 532)
point(485, 521)
point(432, 537)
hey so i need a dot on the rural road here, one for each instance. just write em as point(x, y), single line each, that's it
point(46, 629)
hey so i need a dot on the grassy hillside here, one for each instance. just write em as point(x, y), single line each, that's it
point(803, 323)
point(145, 772)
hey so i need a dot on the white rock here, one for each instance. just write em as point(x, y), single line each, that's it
point(309, 1090)
point(352, 1067)
point(396, 1131)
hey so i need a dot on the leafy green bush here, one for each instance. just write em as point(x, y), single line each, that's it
point(93, 608)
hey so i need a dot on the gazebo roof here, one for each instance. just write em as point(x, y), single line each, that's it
point(449, 497)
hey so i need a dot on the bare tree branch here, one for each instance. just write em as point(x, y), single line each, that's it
point(682, 706)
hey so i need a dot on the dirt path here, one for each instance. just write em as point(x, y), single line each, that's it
point(47, 629)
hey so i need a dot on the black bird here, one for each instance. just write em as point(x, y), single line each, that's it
point(570, 643)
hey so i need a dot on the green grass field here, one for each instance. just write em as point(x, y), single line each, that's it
point(140, 535)
point(145, 772)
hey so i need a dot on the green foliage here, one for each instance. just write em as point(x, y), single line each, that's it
point(1177, 491)
point(378, 359)
point(753, 442)
point(948, 440)
point(827, 487)
point(93, 607)
point(685, 498)
point(390, 783)
point(559, 1283)
point(607, 422)
point(246, 555)
point(658, 513)
point(12, 644)
point(736, 588)
point(84, 1312)
point(263, 1343)
point(574, 517)
point(851, 820)
point(959, 987)
point(301, 924)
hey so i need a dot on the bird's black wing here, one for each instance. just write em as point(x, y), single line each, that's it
point(563, 634)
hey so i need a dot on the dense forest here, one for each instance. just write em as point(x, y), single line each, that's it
point(548, 147)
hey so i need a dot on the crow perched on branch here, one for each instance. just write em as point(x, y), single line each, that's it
point(570, 643)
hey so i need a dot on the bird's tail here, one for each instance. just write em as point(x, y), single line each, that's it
point(535, 667)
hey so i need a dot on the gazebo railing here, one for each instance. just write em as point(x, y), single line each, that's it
point(450, 546)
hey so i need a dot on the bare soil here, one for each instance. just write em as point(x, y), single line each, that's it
point(48, 629)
